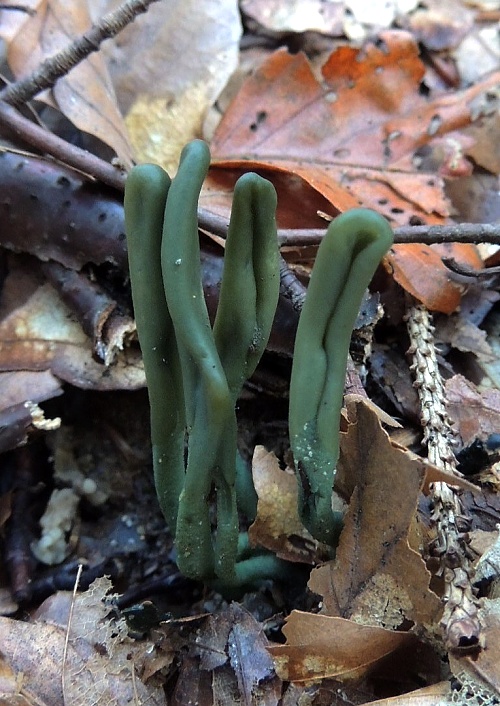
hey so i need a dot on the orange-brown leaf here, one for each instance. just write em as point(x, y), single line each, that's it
point(356, 137)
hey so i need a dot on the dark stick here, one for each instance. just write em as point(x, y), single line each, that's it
point(48, 143)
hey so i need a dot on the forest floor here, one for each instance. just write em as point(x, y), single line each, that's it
point(391, 106)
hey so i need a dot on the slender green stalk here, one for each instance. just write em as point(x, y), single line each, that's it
point(250, 283)
point(347, 258)
point(248, 298)
point(209, 406)
point(145, 197)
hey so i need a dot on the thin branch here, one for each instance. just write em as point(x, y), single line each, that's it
point(429, 235)
point(53, 68)
point(18, 8)
point(48, 143)
point(290, 286)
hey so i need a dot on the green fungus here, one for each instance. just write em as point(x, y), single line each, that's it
point(347, 258)
point(194, 374)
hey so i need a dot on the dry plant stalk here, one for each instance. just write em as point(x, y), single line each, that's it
point(460, 618)
point(451, 547)
point(438, 433)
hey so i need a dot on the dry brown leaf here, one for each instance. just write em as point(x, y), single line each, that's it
point(250, 660)
point(376, 576)
point(389, 369)
point(320, 646)
point(168, 68)
point(467, 337)
point(38, 332)
point(95, 666)
point(230, 651)
point(358, 136)
point(277, 526)
point(194, 685)
point(428, 696)
point(85, 95)
point(284, 117)
point(475, 414)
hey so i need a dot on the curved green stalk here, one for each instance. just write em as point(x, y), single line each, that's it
point(347, 258)
point(209, 406)
point(145, 197)
point(250, 282)
point(248, 298)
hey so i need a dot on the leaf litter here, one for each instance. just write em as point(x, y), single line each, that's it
point(372, 123)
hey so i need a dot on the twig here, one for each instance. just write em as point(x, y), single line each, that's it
point(48, 143)
point(19, 533)
point(290, 287)
point(18, 8)
point(429, 235)
point(53, 68)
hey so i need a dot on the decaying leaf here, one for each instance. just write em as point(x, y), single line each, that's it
point(413, 263)
point(277, 526)
point(283, 116)
point(38, 332)
point(376, 577)
point(285, 120)
point(475, 414)
point(11, 688)
point(320, 646)
point(95, 665)
point(228, 662)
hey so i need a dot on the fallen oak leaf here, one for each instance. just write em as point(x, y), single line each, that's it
point(344, 127)
point(475, 414)
point(413, 265)
point(93, 662)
